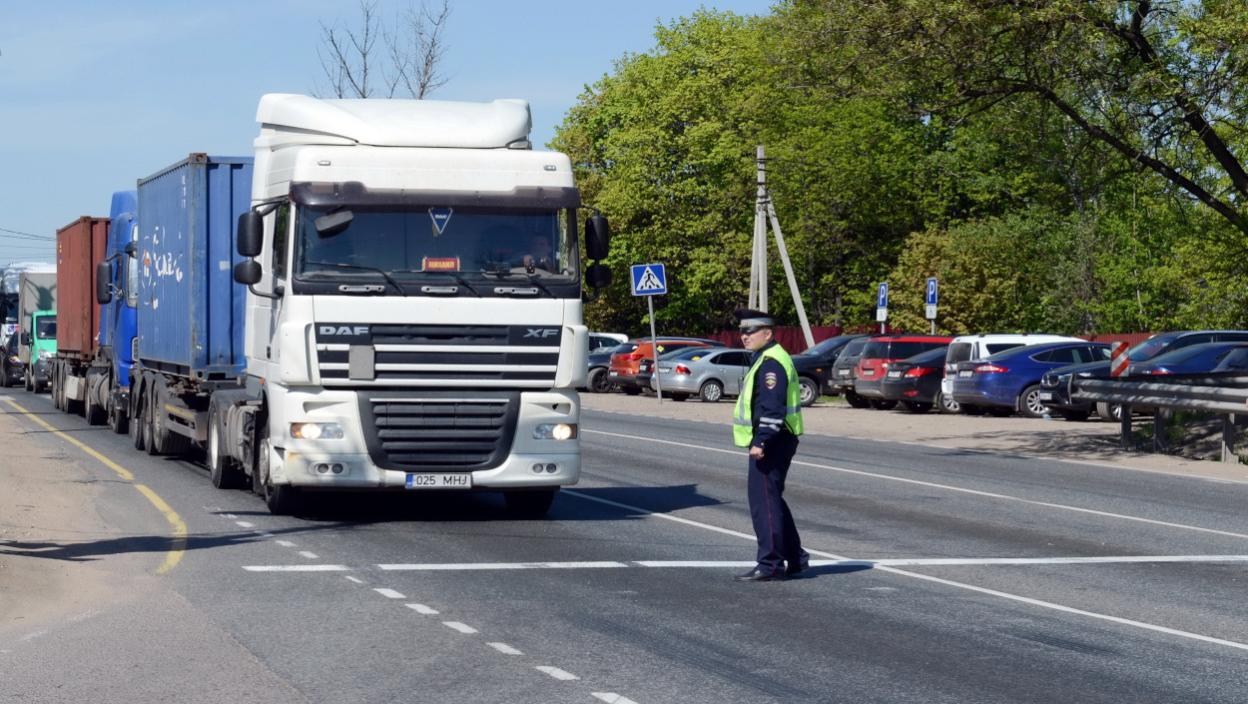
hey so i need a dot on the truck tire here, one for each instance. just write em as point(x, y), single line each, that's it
point(529, 504)
point(166, 441)
point(93, 412)
point(137, 423)
point(281, 500)
point(26, 380)
point(149, 432)
point(117, 419)
point(223, 470)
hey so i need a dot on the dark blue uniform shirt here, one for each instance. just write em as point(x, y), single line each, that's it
point(770, 402)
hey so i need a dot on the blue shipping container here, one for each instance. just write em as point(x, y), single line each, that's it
point(191, 314)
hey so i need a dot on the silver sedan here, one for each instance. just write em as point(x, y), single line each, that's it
point(707, 372)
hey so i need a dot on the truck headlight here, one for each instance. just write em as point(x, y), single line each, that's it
point(555, 431)
point(316, 431)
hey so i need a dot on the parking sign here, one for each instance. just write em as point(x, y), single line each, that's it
point(933, 297)
point(881, 302)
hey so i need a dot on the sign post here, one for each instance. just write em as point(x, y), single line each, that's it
point(881, 305)
point(650, 280)
point(933, 297)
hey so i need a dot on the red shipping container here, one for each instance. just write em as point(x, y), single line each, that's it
point(80, 245)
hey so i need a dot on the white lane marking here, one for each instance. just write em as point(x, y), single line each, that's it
point(286, 543)
point(461, 627)
point(229, 516)
point(422, 609)
point(964, 561)
point(296, 568)
point(389, 593)
point(557, 673)
point(309, 555)
point(946, 487)
point(434, 567)
point(612, 698)
point(1070, 610)
point(951, 583)
point(504, 649)
point(357, 580)
point(244, 524)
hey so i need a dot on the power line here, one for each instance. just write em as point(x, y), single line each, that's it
point(18, 234)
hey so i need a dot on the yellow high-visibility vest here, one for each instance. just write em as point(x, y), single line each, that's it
point(743, 423)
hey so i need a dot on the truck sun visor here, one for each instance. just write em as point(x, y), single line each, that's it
point(353, 193)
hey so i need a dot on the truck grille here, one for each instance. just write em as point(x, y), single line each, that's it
point(443, 431)
point(515, 356)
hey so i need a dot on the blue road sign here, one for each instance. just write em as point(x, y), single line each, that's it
point(933, 291)
point(649, 280)
point(881, 296)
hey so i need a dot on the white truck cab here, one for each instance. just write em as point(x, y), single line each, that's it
point(414, 316)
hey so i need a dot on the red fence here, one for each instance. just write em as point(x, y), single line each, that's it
point(791, 339)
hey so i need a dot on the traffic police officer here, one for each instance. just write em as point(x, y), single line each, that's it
point(768, 420)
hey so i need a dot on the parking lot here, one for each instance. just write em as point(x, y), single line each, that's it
point(1091, 441)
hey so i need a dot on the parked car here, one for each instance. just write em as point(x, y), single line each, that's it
point(626, 359)
point(914, 382)
point(1234, 363)
point(969, 348)
point(814, 366)
point(599, 363)
point(841, 380)
point(879, 353)
point(1193, 359)
point(1009, 381)
point(602, 341)
point(710, 373)
point(12, 371)
point(1056, 384)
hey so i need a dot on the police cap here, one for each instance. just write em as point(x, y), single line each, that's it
point(749, 318)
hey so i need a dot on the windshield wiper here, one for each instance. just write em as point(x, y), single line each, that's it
point(342, 265)
point(507, 274)
point(454, 274)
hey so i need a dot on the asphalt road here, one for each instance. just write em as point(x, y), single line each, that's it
point(943, 576)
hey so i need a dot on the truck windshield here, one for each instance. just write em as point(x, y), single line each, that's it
point(437, 245)
point(45, 327)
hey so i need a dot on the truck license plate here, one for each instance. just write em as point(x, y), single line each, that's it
point(439, 481)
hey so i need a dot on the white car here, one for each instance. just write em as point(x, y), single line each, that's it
point(968, 348)
point(599, 340)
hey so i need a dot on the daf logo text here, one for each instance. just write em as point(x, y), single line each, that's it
point(347, 330)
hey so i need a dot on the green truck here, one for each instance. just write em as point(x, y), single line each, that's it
point(37, 328)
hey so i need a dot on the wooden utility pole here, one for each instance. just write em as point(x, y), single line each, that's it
point(764, 214)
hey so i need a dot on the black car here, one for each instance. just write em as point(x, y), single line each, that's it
point(599, 364)
point(12, 371)
point(1055, 385)
point(915, 382)
point(841, 380)
point(814, 366)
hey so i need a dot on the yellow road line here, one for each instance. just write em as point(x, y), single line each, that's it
point(174, 554)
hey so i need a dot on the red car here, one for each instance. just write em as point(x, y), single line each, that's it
point(883, 350)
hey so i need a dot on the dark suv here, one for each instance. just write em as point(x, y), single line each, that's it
point(841, 378)
point(1055, 385)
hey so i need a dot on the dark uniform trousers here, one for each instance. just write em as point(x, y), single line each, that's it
point(773, 523)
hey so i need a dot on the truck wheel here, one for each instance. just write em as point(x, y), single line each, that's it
point(810, 390)
point(149, 432)
point(529, 504)
point(116, 419)
point(167, 441)
point(26, 380)
point(282, 500)
point(95, 415)
point(224, 471)
point(137, 423)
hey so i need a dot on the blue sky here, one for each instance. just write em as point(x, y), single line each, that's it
point(95, 95)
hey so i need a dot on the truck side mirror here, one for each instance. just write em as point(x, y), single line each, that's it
point(598, 276)
point(129, 249)
point(597, 237)
point(103, 278)
point(247, 272)
point(250, 234)
point(25, 339)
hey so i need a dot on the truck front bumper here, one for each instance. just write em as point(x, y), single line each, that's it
point(348, 463)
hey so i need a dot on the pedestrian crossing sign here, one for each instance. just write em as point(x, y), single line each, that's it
point(649, 280)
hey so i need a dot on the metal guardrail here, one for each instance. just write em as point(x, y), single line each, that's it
point(1222, 394)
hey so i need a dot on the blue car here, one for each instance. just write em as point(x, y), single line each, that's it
point(1194, 359)
point(1009, 381)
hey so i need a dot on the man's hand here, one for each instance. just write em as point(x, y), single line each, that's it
point(756, 452)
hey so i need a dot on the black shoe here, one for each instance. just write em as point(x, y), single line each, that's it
point(757, 575)
point(795, 569)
